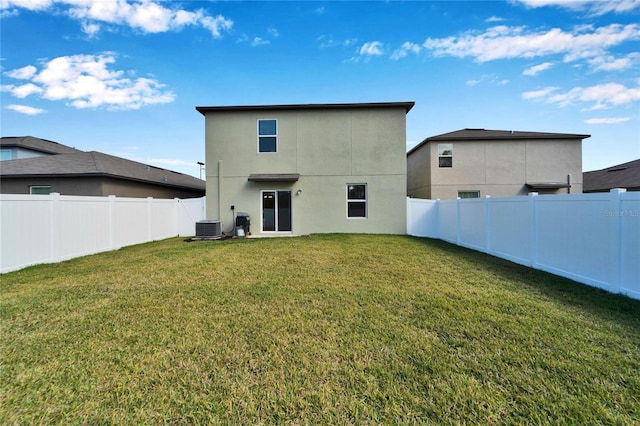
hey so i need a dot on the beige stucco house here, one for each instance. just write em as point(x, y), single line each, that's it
point(314, 168)
point(472, 163)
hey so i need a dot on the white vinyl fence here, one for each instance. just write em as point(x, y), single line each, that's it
point(51, 228)
point(590, 238)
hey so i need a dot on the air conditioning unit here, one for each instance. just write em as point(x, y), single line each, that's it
point(208, 229)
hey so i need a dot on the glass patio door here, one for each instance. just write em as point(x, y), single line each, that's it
point(276, 211)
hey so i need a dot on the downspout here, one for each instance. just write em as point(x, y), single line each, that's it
point(569, 183)
point(220, 188)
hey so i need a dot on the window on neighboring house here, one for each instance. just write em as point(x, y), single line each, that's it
point(468, 194)
point(267, 135)
point(5, 154)
point(39, 190)
point(445, 155)
point(357, 200)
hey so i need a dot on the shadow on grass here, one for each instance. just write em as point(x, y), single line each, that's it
point(607, 306)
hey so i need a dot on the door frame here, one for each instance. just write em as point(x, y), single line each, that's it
point(276, 211)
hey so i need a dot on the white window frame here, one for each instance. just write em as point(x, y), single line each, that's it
point(267, 136)
point(358, 200)
point(32, 187)
point(442, 147)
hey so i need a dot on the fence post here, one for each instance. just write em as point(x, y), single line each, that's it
point(458, 231)
point(533, 249)
point(615, 214)
point(55, 225)
point(111, 201)
point(436, 232)
point(487, 225)
point(149, 215)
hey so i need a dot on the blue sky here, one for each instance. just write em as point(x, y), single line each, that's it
point(124, 76)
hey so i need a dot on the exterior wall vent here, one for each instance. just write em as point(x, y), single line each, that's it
point(208, 229)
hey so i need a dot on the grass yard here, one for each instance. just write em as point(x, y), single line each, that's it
point(327, 329)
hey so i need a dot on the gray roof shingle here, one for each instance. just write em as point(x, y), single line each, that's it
point(36, 144)
point(80, 163)
point(625, 175)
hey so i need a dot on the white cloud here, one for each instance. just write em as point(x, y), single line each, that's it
point(90, 29)
point(24, 90)
point(406, 48)
point(600, 96)
point(24, 109)
point(86, 81)
point(148, 16)
point(536, 94)
point(259, 41)
point(494, 19)
point(327, 41)
point(610, 63)
point(593, 7)
point(371, 48)
point(502, 42)
point(273, 32)
point(23, 73)
point(607, 120)
point(534, 70)
point(488, 79)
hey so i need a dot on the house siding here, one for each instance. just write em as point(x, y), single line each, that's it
point(328, 149)
point(495, 168)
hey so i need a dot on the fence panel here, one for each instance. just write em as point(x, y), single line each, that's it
point(25, 227)
point(574, 238)
point(629, 216)
point(448, 220)
point(75, 232)
point(472, 223)
point(42, 229)
point(422, 217)
point(590, 238)
point(510, 222)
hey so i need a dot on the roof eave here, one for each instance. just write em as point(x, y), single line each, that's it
point(205, 109)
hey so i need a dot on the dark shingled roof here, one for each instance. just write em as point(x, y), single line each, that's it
point(204, 109)
point(93, 163)
point(36, 144)
point(626, 175)
point(493, 135)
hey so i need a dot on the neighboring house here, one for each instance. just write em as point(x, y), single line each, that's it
point(472, 163)
point(38, 166)
point(626, 175)
point(300, 169)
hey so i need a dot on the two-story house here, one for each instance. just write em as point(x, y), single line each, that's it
point(471, 163)
point(313, 168)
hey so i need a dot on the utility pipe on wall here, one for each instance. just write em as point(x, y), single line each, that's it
point(220, 187)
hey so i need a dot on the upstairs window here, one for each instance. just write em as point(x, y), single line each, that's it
point(445, 155)
point(267, 135)
point(357, 200)
point(5, 154)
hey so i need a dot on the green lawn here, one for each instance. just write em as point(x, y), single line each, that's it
point(327, 329)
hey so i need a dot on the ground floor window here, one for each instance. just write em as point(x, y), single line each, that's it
point(276, 211)
point(468, 194)
point(39, 190)
point(357, 200)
